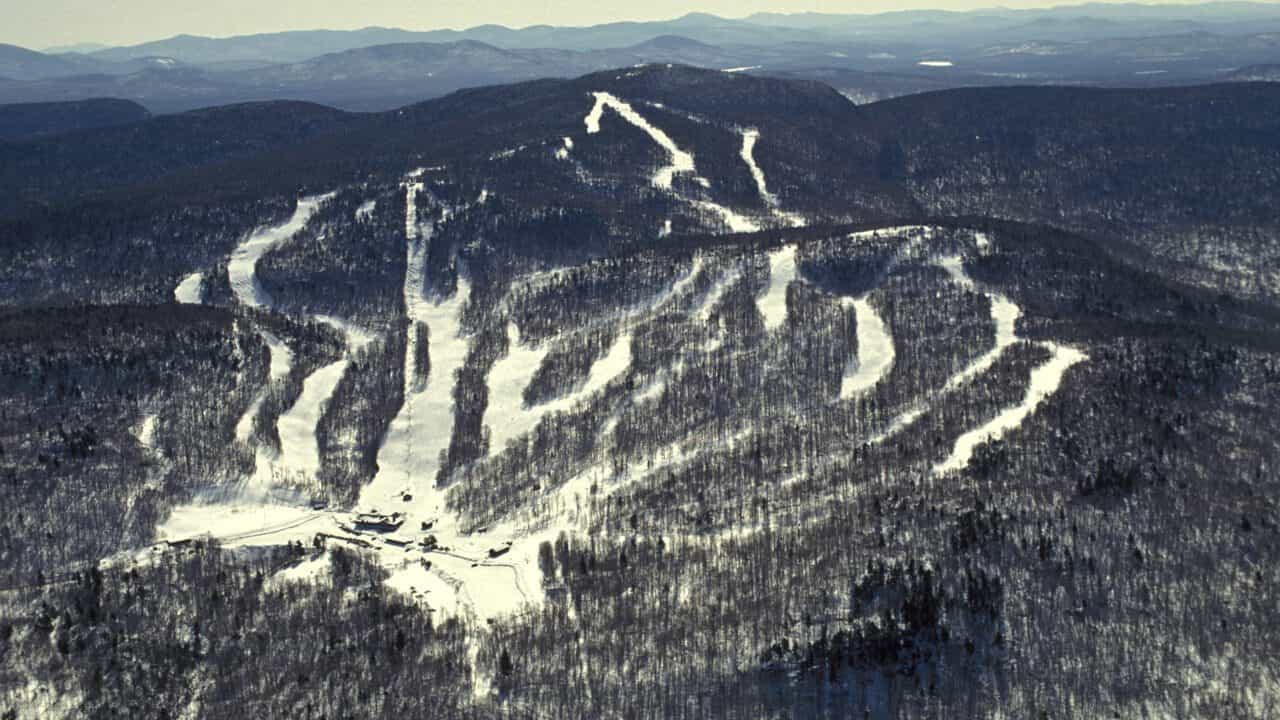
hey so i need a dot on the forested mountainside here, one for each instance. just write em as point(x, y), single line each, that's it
point(655, 393)
point(35, 119)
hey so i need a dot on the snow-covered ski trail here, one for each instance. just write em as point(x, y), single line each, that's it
point(299, 449)
point(242, 274)
point(506, 415)
point(242, 268)
point(748, 153)
point(681, 161)
point(875, 351)
point(281, 359)
point(1003, 313)
point(782, 272)
point(409, 456)
point(1045, 381)
point(188, 291)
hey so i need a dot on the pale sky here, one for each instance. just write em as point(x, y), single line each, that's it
point(42, 23)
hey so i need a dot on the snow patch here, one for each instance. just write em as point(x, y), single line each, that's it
point(736, 222)
point(562, 153)
point(188, 291)
point(309, 570)
point(146, 432)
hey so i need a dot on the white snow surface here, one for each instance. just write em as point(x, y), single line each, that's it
point(782, 271)
point(245, 524)
point(312, 569)
point(146, 433)
point(748, 153)
point(749, 139)
point(366, 209)
point(281, 358)
point(736, 222)
point(508, 418)
point(875, 351)
point(242, 268)
point(188, 291)
point(410, 452)
point(936, 63)
point(299, 450)
point(741, 69)
point(681, 161)
point(562, 153)
point(1003, 313)
point(1045, 381)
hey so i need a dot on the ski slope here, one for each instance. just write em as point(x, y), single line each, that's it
point(875, 351)
point(242, 268)
point(782, 272)
point(506, 415)
point(1003, 313)
point(748, 154)
point(1045, 381)
point(188, 291)
point(280, 358)
point(299, 450)
point(681, 162)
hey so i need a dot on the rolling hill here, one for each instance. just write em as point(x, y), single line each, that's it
point(653, 392)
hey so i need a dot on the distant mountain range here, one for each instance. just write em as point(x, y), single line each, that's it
point(1258, 73)
point(867, 56)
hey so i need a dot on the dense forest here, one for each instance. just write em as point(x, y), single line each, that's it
point(655, 393)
